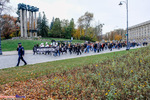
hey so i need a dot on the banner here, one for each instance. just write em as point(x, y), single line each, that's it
point(46, 49)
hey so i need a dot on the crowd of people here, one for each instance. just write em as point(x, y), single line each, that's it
point(79, 48)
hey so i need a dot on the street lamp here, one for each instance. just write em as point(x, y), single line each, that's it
point(0, 35)
point(121, 3)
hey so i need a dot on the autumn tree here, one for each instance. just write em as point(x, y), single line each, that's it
point(80, 24)
point(9, 25)
point(118, 37)
point(112, 34)
point(78, 33)
point(121, 32)
point(88, 17)
point(91, 32)
point(44, 26)
point(85, 21)
point(106, 36)
point(116, 34)
point(98, 30)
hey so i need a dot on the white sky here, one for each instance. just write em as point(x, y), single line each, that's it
point(105, 11)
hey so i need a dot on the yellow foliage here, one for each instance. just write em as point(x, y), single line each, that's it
point(118, 37)
point(78, 33)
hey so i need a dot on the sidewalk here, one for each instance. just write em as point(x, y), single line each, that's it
point(9, 59)
point(7, 53)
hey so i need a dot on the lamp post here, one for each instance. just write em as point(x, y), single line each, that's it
point(0, 32)
point(121, 3)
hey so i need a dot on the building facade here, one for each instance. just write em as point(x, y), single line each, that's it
point(140, 33)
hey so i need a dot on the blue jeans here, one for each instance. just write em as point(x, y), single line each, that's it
point(57, 52)
point(95, 49)
point(87, 50)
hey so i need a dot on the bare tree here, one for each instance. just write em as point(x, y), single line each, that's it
point(98, 30)
point(88, 17)
point(4, 6)
point(85, 21)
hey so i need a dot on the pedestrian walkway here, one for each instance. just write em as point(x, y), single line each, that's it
point(7, 53)
point(11, 59)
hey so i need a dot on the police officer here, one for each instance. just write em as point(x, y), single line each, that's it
point(20, 50)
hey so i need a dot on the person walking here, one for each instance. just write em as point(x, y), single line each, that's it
point(34, 49)
point(110, 46)
point(57, 50)
point(82, 48)
point(70, 48)
point(95, 47)
point(20, 50)
point(87, 48)
point(78, 49)
point(98, 47)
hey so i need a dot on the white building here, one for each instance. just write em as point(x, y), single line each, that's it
point(140, 33)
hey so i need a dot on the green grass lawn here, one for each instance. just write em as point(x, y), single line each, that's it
point(9, 74)
point(119, 75)
point(11, 45)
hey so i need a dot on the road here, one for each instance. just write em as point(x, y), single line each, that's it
point(7, 61)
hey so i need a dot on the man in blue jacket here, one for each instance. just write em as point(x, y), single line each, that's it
point(20, 50)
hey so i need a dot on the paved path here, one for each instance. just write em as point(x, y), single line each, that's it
point(7, 53)
point(10, 59)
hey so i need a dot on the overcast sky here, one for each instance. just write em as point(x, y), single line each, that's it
point(105, 11)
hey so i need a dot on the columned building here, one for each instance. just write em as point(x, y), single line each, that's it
point(140, 33)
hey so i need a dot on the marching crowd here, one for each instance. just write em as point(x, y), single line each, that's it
point(59, 48)
point(80, 48)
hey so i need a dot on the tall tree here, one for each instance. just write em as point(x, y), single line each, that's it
point(85, 21)
point(68, 28)
point(56, 29)
point(88, 17)
point(64, 28)
point(44, 27)
point(72, 27)
point(98, 30)
point(51, 24)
